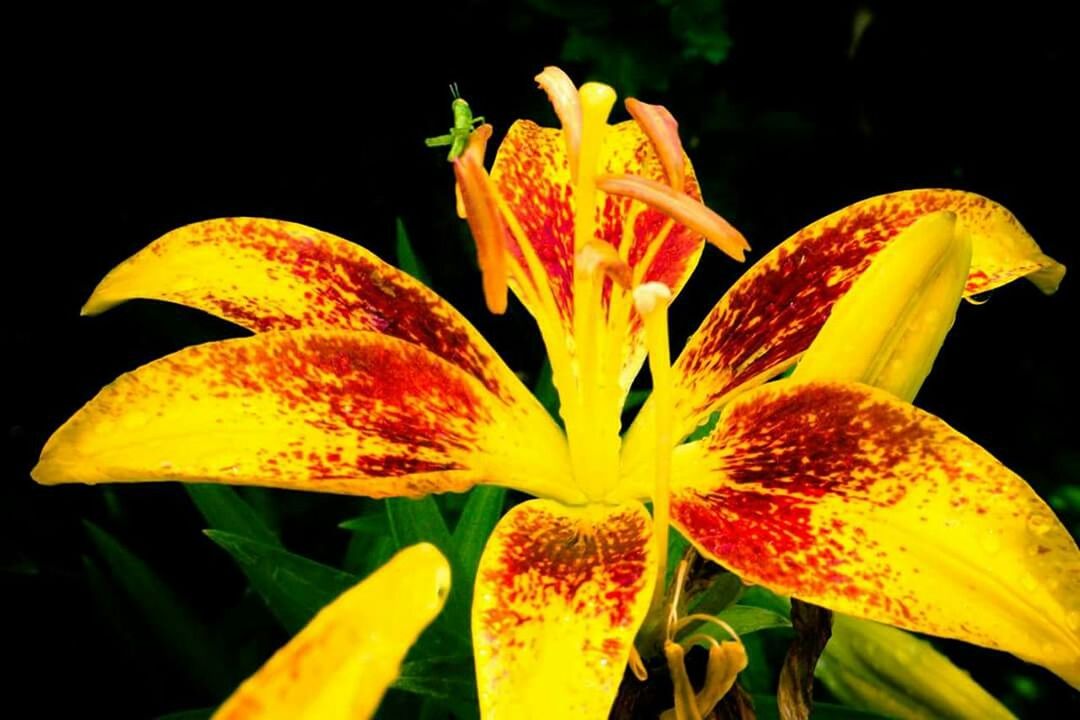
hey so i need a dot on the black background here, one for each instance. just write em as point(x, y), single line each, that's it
point(125, 126)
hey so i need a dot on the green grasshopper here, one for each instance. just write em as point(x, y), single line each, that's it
point(464, 123)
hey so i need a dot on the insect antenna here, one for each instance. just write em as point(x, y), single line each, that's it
point(454, 91)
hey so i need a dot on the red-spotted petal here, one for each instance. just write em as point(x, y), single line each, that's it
point(560, 594)
point(273, 275)
point(844, 496)
point(532, 173)
point(771, 315)
point(324, 410)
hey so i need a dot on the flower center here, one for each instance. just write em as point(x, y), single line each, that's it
point(593, 429)
point(588, 361)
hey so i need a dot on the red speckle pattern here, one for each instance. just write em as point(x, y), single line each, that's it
point(583, 574)
point(369, 389)
point(846, 497)
point(307, 278)
point(773, 313)
point(333, 411)
point(531, 172)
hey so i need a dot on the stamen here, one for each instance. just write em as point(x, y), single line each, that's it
point(600, 257)
point(485, 222)
point(660, 127)
point(726, 661)
point(563, 96)
point(676, 594)
point(680, 207)
point(685, 699)
point(478, 140)
point(701, 617)
point(459, 202)
point(689, 642)
point(637, 665)
point(651, 300)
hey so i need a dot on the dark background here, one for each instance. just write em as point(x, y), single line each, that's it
point(129, 125)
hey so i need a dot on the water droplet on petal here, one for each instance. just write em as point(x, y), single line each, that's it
point(1039, 523)
point(224, 463)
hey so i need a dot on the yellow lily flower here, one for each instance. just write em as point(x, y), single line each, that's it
point(361, 380)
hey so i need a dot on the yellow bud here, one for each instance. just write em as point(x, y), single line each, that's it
point(889, 671)
point(887, 330)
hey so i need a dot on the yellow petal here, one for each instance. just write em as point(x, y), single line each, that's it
point(532, 173)
point(341, 663)
point(880, 668)
point(274, 275)
point(888, 328)
point(323, 410)
point(846, 497)
point(768, 319)
point(560, 594)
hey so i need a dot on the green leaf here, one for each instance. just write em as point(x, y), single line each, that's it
point(407, 258)
point(112, 608)
point(721, 593)
point(372, 523)
point(704, 429)
point(293, 587)
point(759, 675)
point(416, 521)
point(224, 509)
point(371, 544)
point(677, 545)
point(743, 619)
point(482, 511)
point(766, 709)
point(762, 598)
point(171, 622)
point(635, 398)
point(449, 678)
point(366, 554)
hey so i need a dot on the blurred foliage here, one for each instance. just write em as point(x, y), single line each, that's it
point(639, 47)
point(787, 110)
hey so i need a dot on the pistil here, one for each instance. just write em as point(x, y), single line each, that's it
point(651, 300)
point(594, 441)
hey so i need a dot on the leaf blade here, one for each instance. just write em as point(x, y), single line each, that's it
point(293, 587)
